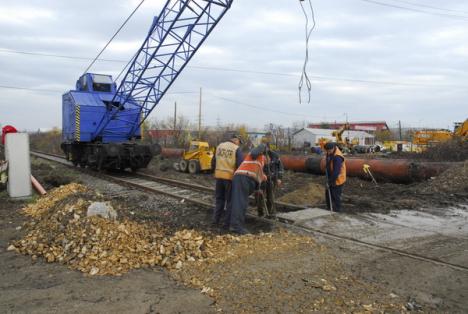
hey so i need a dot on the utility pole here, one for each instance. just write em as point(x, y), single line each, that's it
point(175, 134)
point(399, 130)
point(199, 115)
point(175, 116)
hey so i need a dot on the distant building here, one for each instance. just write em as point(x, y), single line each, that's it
point(368, 126)
point(311, 136)
point(162, 134)
point(256, 137)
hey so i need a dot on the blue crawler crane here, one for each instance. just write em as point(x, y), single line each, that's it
point(101, 122)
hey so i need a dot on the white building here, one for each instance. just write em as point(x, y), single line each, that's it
point(312, 136)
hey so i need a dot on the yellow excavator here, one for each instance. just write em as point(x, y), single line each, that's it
point(431, 137)
point(461, 130)
point(198, 158)
point(345, 145)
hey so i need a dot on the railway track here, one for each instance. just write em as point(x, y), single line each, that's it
point(193, 193)
point(203, 196)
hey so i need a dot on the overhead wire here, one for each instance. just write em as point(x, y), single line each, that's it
point(115, 35)
point(260, 108)
point(430, 6)
point(316, 77)
point(453, 16)
point(61, 91)
point(308, 32)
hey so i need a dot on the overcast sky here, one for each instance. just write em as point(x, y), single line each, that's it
point(417, 62)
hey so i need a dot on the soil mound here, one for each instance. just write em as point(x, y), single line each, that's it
point(453, 180)
point(309, 194)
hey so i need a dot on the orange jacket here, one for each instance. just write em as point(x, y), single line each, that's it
point(342, 175)
point(253, 168)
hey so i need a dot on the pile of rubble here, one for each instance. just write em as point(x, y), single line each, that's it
point(71, 225)
point(42, 205)
point(61, 231)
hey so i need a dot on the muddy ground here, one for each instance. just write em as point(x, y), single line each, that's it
point(449, 189)
point(330, 277)
point(276, 279)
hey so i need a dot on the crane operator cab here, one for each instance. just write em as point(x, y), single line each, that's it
point(99, 83)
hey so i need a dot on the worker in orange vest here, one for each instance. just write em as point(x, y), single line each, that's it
point(225, 162)
point(247, 179)
point(335, 170)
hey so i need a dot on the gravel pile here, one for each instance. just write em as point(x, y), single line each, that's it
point(61, 231)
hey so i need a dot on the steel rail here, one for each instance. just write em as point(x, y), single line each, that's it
point(150, 186)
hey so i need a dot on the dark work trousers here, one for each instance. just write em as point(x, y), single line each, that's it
point(335, 192)
point(223, 201)
point(242, 187)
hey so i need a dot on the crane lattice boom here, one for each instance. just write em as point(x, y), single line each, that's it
point(175, 36)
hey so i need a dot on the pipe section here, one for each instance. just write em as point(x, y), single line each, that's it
point(39, 188)
point(393, 170)
point(171, 152)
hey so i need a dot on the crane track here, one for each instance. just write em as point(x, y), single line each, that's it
point(198, 195)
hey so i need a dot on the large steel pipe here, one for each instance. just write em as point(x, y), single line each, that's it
point(171, 152)
point(394, 170)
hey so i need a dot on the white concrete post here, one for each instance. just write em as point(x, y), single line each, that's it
point(19, 165)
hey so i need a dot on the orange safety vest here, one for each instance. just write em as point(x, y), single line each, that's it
point(253, 168)
point(342, 175)
point(225, 160)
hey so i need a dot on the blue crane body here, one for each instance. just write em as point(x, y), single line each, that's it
point(101, 122)
point(84, 107)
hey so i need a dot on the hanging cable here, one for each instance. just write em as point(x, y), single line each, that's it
point(112, 38)
point(308, 32)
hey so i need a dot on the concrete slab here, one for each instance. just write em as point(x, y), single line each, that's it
point(304, 214)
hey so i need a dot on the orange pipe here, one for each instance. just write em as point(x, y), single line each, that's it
point(394, 170)
point(171, 152)
point(38, 186)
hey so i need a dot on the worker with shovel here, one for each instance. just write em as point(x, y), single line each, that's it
point(335, 171)
point(273, 169)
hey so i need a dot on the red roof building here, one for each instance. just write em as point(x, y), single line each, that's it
point(368, 126)
point(162, 134)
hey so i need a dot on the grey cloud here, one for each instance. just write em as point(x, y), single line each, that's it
point(353, 39)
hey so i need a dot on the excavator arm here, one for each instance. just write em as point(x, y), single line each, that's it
point(338, 133)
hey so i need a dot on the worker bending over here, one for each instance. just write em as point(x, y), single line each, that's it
point(336, 176)
point(247, 179)
point(227, 159)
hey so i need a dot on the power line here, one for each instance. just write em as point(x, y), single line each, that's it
point(56, 91)
point(58, 56)
point(30, 89)
point(430, 7)
point(317, 77)
point(453, 16)
point(260, 108)
point(115, 34)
